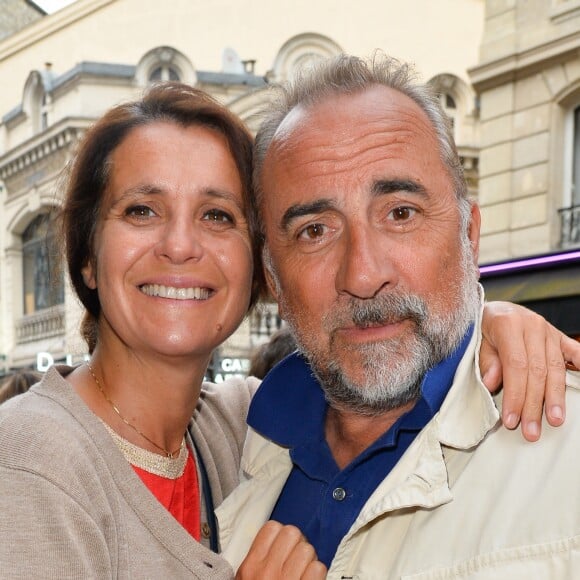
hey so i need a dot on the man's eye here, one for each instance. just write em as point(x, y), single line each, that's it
point(402, 213)
point(312, 232)
point(218, 216)
point(140, 211)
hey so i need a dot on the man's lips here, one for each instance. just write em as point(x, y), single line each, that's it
point(372, 333)
point(176, 293)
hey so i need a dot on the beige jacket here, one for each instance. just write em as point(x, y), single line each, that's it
point(71, 507)
point(469, 499)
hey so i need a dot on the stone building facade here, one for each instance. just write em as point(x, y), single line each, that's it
point(16, 15)
point(60, 73)
point(528, 82)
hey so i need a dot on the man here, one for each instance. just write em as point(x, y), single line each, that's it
point(379, 442)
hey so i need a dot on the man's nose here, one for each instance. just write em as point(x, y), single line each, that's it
point(180, 240)
point(366, 267)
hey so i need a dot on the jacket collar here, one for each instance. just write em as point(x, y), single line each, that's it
point(420, 478)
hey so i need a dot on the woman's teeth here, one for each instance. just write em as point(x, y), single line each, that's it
point(175, 293)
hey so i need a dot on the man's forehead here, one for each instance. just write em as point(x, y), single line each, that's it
point(375, 101)
point(339, 128)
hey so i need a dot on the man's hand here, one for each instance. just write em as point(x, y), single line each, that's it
point(529, 355)
point(281, 552)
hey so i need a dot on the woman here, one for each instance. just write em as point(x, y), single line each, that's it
point(103, 472)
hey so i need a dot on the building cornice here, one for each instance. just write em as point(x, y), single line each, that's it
point(49, 25)
point(57, 137)
point(520, 64)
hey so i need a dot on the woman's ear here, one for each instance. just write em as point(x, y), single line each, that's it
point(89, 276)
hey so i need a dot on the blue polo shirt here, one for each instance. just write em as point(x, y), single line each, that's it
point(319, 498)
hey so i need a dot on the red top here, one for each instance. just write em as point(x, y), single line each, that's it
point(179, 496)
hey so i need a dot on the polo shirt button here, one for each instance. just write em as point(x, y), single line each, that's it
point(338, 494)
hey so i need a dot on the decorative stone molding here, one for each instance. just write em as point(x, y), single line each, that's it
point(302, 50)
point(40, 325)
point(18, 162)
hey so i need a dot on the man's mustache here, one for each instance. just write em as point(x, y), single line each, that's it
point(380, 310)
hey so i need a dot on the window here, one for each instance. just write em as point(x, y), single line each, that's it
point(163, 73)
point(164, 63)
point(449, 106)
point(43, 287)
point(44, 113)
point(576, 160)
point(570, 211)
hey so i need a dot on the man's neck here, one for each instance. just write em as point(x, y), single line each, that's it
point(348, 434)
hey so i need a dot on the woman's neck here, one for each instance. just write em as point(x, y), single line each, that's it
point(147, 399)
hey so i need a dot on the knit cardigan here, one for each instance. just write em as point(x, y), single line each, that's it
point(72, 507)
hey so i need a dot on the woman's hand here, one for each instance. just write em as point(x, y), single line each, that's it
point(529, 355)
point(281, 552)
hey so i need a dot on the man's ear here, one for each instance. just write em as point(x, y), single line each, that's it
point(89, 276)
point(474, 230)
point(271, 281)
point(274, 289)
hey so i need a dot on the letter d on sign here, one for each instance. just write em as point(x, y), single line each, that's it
point(43, 361)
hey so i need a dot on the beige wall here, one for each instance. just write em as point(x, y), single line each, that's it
point(441, 36)
point(529, 82)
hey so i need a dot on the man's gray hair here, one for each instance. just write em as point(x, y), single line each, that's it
point(343, 75)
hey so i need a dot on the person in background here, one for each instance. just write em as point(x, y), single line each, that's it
point(18, 382)
point(378, 440)
point(269, 354)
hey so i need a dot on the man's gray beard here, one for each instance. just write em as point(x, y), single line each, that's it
point(394, 368)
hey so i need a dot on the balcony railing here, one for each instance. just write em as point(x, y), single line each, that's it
point(570, 226)
point(42, 324)
point(264, 321)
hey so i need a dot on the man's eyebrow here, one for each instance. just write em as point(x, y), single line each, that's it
point(301, 209)
point(383, 186)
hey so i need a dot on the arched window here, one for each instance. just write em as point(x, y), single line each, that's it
point(164, 73)
point(36, 100)
point(450, 107)
point(43, 288)
point(164, 63)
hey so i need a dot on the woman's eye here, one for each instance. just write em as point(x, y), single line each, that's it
point(312, 232)
point(402, 213)
point(140, 211)
point(218, 216)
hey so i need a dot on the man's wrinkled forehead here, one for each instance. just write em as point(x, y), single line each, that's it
point(375, 116)
point(371, 104)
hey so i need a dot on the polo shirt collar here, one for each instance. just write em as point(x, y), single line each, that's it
point(289, 407)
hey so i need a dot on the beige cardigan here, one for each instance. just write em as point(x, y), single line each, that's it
point(72, 507)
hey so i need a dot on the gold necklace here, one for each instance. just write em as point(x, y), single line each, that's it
point(170, 454)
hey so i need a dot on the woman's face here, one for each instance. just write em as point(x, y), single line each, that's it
point(173, 259)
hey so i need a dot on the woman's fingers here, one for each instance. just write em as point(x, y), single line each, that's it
point(528, 355)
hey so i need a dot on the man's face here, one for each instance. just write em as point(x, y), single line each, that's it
point(363, 238)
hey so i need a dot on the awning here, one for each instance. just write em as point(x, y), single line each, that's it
point(553, 292)
point(533, 285)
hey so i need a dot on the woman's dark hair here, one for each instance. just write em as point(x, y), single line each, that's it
point(170, 102)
